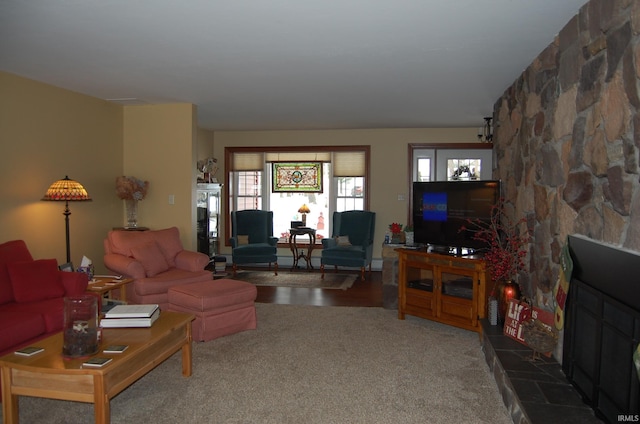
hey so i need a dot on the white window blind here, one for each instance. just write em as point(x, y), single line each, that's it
point(349, 164)
point(248, 161)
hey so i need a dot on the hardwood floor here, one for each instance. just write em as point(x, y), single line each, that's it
point(367, 293)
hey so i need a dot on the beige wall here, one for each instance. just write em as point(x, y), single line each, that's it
point(389, 159)
point(47, 133)
point(204, 143)
point(160, 147)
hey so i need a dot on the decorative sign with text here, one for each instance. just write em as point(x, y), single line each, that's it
point(519, 313)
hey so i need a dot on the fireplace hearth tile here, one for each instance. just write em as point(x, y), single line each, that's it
point(533, 392)
point(561, 394)
point(545, 414)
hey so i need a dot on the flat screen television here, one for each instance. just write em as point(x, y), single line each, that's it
point(442, 208)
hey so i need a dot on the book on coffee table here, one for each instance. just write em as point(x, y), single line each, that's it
point(132, 311)
point(129, 322)
point(96, 362)
point(115, 349)
point(29, 351)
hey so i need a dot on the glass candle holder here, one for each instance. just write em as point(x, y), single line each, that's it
point(80, 326)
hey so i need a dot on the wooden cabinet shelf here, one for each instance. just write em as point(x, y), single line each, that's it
point(449, 289)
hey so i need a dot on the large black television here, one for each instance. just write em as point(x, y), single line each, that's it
point(442, 208)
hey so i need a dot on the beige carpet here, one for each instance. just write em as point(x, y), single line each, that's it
point(300, 279)
point(309, 364)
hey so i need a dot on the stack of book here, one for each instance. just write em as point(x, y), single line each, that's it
point(130, 316)
point(220, 263)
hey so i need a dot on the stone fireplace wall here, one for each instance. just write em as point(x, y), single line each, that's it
point(566, 140)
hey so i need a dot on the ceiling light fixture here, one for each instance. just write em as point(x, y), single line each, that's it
point(485, 133)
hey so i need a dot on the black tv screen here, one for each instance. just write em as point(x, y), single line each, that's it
point(442, 208)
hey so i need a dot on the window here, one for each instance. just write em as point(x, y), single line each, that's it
point(344, 173)
point(249, 185)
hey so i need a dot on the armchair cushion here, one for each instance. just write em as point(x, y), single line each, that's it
point(35, 280)
point(343, 241)
point(151, 258)
point(170, 244)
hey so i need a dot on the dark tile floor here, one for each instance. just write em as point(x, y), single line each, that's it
point(534, 392)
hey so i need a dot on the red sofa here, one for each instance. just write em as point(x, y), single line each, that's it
point(31, 296)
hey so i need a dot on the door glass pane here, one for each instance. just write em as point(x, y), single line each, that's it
point(424, 169)
point(463, 169)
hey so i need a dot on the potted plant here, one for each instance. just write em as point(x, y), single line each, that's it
point(397, 234)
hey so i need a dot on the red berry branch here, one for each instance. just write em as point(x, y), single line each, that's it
point(506, 242)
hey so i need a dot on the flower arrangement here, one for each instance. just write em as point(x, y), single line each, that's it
point(395, 228)
point(506, 241)
point(131, 188)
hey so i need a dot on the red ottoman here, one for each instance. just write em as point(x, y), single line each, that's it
point(221, 307)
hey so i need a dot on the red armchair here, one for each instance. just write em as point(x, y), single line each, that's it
point(156, 261)
point(31, 296)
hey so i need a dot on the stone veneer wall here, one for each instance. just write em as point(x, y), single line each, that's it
point(566, 139)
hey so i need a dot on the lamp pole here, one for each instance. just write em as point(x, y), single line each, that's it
point(66, 214)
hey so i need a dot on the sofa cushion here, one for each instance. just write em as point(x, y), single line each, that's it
point(151, 258)
point(19, 327)
point(35, 280)
point(11, 251)
point(51, 311)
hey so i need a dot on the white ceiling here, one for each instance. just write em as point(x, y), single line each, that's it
point(286, 64)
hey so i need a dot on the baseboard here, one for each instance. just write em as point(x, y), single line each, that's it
point(287, 262)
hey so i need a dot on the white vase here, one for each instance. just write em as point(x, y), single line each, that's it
point(409, 238)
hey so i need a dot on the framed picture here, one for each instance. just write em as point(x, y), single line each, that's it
point(68, 267)
point(297, 177)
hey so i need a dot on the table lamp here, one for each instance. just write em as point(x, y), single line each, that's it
point(304, 210)
point(66, 190)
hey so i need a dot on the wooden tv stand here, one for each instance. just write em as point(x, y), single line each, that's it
point(449, 289)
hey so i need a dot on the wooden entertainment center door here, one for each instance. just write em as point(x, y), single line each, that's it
point(449, 289)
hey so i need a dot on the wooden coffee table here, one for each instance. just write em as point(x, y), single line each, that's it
point(50, 375)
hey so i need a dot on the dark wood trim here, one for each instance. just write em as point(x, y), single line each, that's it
point(229, 151)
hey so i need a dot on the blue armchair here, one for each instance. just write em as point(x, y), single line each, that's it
point(351, 242)
point(252, 238)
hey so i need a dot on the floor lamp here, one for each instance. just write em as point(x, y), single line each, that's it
point(68, 191)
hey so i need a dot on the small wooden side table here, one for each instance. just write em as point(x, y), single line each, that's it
point(300, 253)
point(106, 285)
